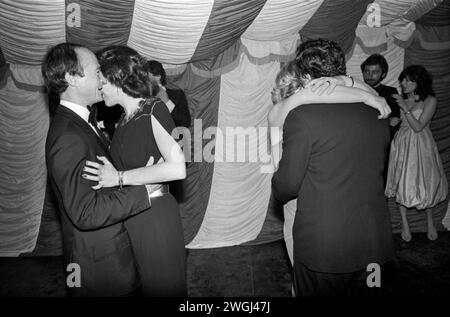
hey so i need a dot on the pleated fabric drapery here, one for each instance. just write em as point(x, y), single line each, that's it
point(204, 46)
point(341, 27)
point(280, 19)
point(226, 23)
point(203, 98)
point(99, 23)
point(24, 123)
point(438, 16)
point(240, 192)
point(28, 28)
point(155, 35)
point(390, 10)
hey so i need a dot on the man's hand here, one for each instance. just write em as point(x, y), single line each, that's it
point(394, 121)
point(380, 104)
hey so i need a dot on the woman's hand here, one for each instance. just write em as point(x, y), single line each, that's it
point(325, 84)
point(404, 104)
point(163, 94)
point(394, 121)
point(105, 174)
point(380, 104)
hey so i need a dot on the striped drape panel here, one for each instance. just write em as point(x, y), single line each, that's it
point(227, 21)
point(335, 20)
point(240, 192)
point(206, 47)
point(203, 98)
point(24, 123)
point(100, 23)
point(168, 31)
point(279, 19)
point(29, 27)
point(438, 16)
point(399, 10)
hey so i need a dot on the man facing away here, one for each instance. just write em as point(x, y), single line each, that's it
point(94, 237)
point(332, 160)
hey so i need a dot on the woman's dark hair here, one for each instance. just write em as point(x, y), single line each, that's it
point(58, 61)
point(125, 68)
point(156, 69)
point(423, 79)
point(321, 58)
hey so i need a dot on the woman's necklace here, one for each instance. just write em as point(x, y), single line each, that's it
point(131, 115)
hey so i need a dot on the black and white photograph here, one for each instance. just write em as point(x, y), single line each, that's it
point(229, 156)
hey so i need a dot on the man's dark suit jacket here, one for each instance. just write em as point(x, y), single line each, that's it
point(93, 234)
point(387, 93)
point(332, 160)
point(182, 118)
point(180, 114)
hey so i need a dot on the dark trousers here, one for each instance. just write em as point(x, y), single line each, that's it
point(309, 283)
point(393, 130)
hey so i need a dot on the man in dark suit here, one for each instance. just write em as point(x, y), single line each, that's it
point(175, 99)
point(176, 102)
point(93, 234)
point(374, 70)
point(332, 160)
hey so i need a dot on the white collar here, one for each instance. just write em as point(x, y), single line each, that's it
point(81, 111)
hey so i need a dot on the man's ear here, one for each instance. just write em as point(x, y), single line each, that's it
point(383, 76)
point(70, 79)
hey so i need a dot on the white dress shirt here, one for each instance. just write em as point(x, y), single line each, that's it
point(81, 111)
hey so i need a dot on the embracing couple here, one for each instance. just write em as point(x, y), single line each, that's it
point(334, 144)
point(120, 224)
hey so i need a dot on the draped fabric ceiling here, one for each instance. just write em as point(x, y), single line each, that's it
point(225, 55)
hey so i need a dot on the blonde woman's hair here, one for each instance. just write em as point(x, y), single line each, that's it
point(288, 81)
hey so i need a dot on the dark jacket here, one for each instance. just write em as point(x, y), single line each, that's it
point(93, 234)
point(180, 114)
point(332, 160)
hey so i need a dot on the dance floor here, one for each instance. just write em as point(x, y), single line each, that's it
point(421, 269)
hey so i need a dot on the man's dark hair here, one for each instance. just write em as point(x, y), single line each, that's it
point(376, 59)
point(58, 61)
point(156, 69)
point(423, 79)
point(321, 58)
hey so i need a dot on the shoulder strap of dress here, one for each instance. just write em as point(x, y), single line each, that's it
point(153, 103)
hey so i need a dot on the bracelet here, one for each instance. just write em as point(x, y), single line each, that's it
point(120, 179)
point(353, 81)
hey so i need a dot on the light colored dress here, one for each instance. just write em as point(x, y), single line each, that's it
point(415, 177)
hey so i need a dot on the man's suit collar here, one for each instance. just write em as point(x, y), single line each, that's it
point(84, 125)
point(81, 111)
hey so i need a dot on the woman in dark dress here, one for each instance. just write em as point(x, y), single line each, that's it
point(143, 136)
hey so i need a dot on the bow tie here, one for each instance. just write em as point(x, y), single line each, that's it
point(92, 115)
